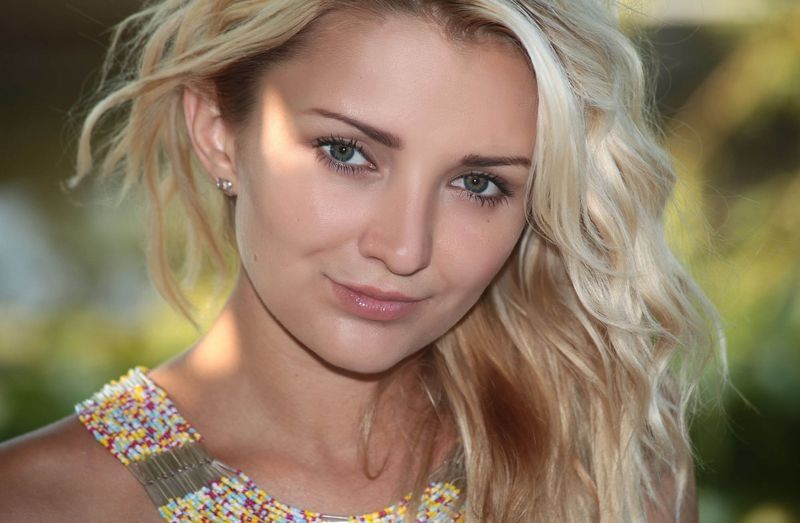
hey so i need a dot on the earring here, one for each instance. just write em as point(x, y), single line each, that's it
point(225, 186)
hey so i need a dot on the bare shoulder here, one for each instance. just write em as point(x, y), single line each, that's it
point(60, 473)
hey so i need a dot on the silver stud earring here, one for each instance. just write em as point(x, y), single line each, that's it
point(225, 186)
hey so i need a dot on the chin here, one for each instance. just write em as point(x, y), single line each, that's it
point(370, 363)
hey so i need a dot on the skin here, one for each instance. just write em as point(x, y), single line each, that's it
point(285, 363)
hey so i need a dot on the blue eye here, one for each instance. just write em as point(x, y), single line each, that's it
point(339, 153)
point(347, 156)
point(483, 187)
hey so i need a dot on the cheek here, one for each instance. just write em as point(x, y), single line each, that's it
point(271, 216)
point(474, 250)
point(289, 207)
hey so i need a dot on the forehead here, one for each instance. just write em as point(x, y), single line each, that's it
point(402, 74)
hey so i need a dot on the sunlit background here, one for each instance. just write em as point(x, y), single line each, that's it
point(76, 308)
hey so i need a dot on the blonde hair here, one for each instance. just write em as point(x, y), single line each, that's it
point(569, 382)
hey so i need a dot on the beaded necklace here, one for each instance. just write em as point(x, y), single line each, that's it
point(137, 422)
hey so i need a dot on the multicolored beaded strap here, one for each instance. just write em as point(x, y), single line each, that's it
point(138, 423)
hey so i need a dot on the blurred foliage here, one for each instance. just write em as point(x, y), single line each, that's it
point(76, 309)
point(736, 144)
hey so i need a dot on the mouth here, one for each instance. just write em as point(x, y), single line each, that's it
point(374, 304)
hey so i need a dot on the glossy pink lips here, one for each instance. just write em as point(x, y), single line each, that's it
point(384, 308)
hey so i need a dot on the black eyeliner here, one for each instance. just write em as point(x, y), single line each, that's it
point(345, 168)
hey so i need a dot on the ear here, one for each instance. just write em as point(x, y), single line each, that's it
point(212, 140)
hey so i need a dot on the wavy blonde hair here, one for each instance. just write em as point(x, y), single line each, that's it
point(569, 382)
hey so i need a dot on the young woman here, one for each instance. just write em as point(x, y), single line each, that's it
point(453, 297)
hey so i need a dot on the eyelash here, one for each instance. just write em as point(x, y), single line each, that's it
point(334, 164)
point(345, 168)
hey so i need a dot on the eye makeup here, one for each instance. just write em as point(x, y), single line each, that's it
point(340, 145)
point(502, 193)
point(328, 148)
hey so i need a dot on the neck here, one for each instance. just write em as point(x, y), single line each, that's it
point(279, 394)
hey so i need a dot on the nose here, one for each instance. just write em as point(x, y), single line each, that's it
point(399, 231)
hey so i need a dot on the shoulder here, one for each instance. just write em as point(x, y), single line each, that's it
point(60, 473)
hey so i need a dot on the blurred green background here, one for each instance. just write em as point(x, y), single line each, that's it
point(76, 308)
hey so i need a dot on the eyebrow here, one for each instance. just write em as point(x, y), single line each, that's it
point(386, 138)
point(474, 160)
point(394, 142)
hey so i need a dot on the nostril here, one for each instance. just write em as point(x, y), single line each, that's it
point(403, 250)
point(399, 231)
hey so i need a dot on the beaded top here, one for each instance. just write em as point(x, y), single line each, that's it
point(137, 422)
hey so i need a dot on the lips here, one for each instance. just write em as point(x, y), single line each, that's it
point(374, 304)
point(377, 294)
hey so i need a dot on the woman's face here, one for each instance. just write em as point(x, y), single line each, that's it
point(380, 186)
